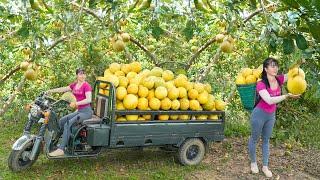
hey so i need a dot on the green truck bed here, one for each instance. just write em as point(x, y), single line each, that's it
point(164, 133)
point(153, 132)
point(159, 133)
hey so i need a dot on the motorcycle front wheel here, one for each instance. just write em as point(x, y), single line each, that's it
point(19, 159)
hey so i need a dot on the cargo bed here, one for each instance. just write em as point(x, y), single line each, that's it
point(169, 132)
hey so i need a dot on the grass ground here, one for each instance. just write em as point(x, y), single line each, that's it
point(225, 160)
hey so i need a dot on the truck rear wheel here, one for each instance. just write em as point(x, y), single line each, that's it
point(191, 152)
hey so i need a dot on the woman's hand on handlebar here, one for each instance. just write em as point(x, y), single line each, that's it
point(73, 105)
point(47, 93)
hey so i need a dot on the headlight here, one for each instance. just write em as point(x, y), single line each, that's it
point(46, 103)
point(35, 110)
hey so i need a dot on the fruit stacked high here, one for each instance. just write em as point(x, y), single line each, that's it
point(157, 89)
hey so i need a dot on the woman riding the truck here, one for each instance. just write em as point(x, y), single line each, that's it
point(82, 90)
point(264, 114)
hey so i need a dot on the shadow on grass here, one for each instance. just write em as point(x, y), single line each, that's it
point(121, 163)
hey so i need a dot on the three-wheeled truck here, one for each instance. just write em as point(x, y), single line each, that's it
point(189, 138)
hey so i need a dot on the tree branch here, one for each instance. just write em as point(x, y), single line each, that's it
point(151, 55)
point(210, 6)
point(208, 43)
point(256, 12)
point(207, 70)
point(170, 34)
point(47, 6)
point(263, 9)
point(232, 93)
point(209, 66)
point(195, 55)
point(87, 11)
point(252, 15)
point(17, 68)
point(12, 97)
point(133, 6)
point(60, 40)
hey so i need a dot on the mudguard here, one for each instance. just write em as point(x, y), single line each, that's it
point(203, 139)
point(22, 141)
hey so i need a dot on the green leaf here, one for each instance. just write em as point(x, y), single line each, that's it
point(288, 46)
point(189, 29)
point(316, 3)
point(200, 5)
point(301, 42)
point(92, 4)
point(156, 30)
point(293, 17)
point(303, 29)
point(24, 30)
point(144, 5)
point(253, 4)
point(314, 29)
point(35, 5)
point(132, 6)
point(90, 50)
point(291, 3)
point(272, 45)
point(214, 10)
point(306, 54)
point(304, 3)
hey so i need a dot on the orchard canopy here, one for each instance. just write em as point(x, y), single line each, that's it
point(42, 42)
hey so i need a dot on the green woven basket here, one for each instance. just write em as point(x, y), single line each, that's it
point(248, 95)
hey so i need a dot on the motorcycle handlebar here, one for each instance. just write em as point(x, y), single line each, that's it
point(41, 99)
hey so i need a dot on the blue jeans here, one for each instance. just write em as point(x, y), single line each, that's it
point(261, 124)
point(67, 121)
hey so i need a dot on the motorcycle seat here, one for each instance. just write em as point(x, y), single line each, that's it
point(93, 120)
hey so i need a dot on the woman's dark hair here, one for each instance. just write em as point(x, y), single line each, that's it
point(267, 62)
point(80, 70)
